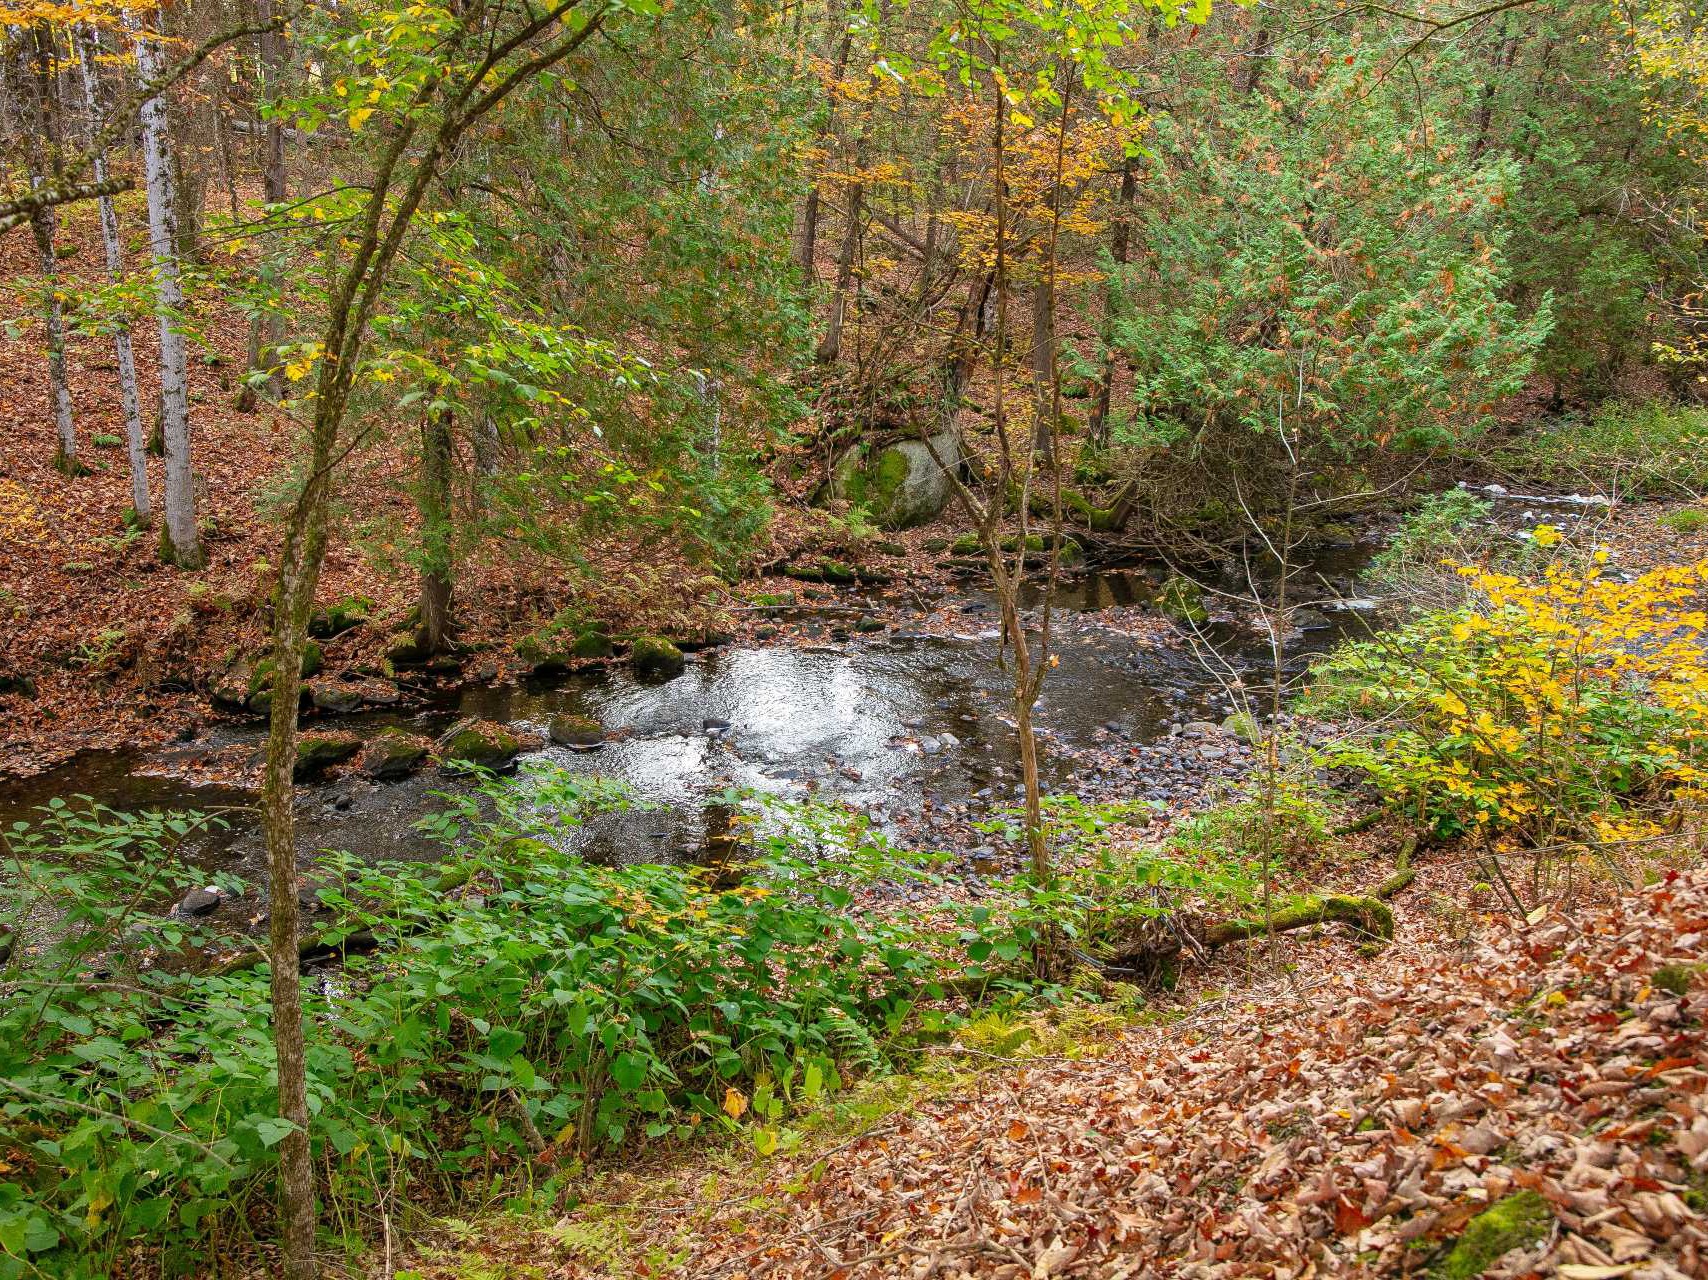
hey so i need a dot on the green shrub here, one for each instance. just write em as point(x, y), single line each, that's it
point(1685, 520)
point(1437, 530)
point(545, 996)
point(1655, 449)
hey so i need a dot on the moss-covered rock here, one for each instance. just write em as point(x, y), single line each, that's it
point(317, 752)
point(822, 569)
point(408, 649)
point(566, 639)
point(393, 754)
point(656, 656)
point(483, 743)
point(340, 616)
point(901, 484)
point(773, 600)
point(1515, 1222)
point(261, 675)
point(1183, 600)
point(578, 732)
point(1036, 553)
point(338, 699)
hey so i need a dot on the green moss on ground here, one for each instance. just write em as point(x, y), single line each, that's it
point(1519, 1220)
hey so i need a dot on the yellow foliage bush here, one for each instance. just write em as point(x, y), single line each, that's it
point(1568, 708)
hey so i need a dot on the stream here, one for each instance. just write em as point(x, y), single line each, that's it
point(908, 724)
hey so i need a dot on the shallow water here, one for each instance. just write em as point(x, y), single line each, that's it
point(896, 723)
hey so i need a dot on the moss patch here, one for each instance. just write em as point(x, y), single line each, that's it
point(1183, 600)
point(1513, 1223)
point(654, 655)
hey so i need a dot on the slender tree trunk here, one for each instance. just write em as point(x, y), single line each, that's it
point(130, 400)
point(179, 542)
point(43, 158)
point(807, 249)
point(436, 531)
point(1120, 248)
point(303, 553)
point(830, 348)
point(276, 189)
point(1043, 369)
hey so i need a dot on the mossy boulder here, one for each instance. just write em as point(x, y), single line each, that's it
point(581, 733)
point(260, 687)
point(564, 640)
point(968, 544)
point(337, 699)
point(1516, 1222)
point(340, 616)
point(317, 752)
point(393, 754)
point(901, 484)
point(822, 569)
point(483, 743)
point(1183, 600)
point(656, 656)
point(773, 600)
point(408, 649)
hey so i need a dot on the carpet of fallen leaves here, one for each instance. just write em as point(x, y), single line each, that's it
point(1348, 1124)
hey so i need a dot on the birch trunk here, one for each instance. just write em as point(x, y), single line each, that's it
point(179, 542)
point(130, 402)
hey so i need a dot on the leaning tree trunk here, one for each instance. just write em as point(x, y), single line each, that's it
point(179, 542)
point(130, 402)
point(436, 532)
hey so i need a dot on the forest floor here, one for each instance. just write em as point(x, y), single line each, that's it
point(1487, 1096)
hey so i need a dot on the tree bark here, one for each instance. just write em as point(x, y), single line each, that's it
point(1120, 249)
point(830, 348)
point(43, 158)
point(273, 181)
point(807, 249)
point(130, 400)
point(1044, 370)
point(180, 543)
point(436, 531)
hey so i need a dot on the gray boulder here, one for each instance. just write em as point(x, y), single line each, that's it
point(901, 484)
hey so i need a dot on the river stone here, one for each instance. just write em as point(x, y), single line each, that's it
point(338, 699)
point(482, 743)
point(1183, 600)
point(564, 640)
point(340, 616)
point(654, 655)
point(901, 484)
point(408, 649)
point(392, 754)
point(578, 732)
point(201, 902)
point(318, 751)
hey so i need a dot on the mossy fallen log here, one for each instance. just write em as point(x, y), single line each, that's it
point(1370, 916)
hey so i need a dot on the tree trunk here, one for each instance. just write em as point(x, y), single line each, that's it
point(43, 159)
point(273, 181)
point(304, 550)
point(130, 401)
point(807, 249)
point(831, 347)
point(1120, 248)
point(436, 531)
point(179, 543)
point(1043, 371)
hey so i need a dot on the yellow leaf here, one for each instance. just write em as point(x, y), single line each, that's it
point(359, 117)
point(735, 1102)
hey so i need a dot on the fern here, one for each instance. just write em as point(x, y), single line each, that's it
point(853, 1043)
